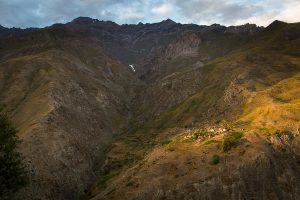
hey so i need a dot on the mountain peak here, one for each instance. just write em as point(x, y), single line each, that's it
point(276, 24)
point(83, 20)
point(168, 21)
point(2, 28)
point(91, 21)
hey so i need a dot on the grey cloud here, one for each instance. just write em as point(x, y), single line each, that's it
point(40, 13)
point(207, 11)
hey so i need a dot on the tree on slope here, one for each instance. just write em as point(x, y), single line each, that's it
point(12, 173)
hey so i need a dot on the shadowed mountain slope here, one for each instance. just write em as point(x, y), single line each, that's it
point(67, 97)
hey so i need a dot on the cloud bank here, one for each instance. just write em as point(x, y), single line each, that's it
point(37, 13)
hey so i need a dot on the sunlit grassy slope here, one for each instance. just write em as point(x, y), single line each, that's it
point(256, 85)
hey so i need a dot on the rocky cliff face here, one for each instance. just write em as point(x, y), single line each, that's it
point(248, 29)
point(185, 45)
point(129, 43)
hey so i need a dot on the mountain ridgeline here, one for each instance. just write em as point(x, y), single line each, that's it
point(155, 111)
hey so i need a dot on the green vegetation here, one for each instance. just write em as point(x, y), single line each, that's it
point(165, 142)
point(267, 131)
point(215, 160)
point(231, 140)
point(12, 173)
point(210, 142)
point(105, 178)
point(279, 133)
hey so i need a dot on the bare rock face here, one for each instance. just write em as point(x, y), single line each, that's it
point(185, 45)
point(248, 29)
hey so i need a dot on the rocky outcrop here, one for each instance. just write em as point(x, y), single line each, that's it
point(248, 29)
point(154, 66)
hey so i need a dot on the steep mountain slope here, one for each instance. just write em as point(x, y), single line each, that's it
point(239, 80)
point(186, 153)
point(67, 97)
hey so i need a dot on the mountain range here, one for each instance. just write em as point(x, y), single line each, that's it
point(155, 111)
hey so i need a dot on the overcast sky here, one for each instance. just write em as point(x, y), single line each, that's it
point(40, 13)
